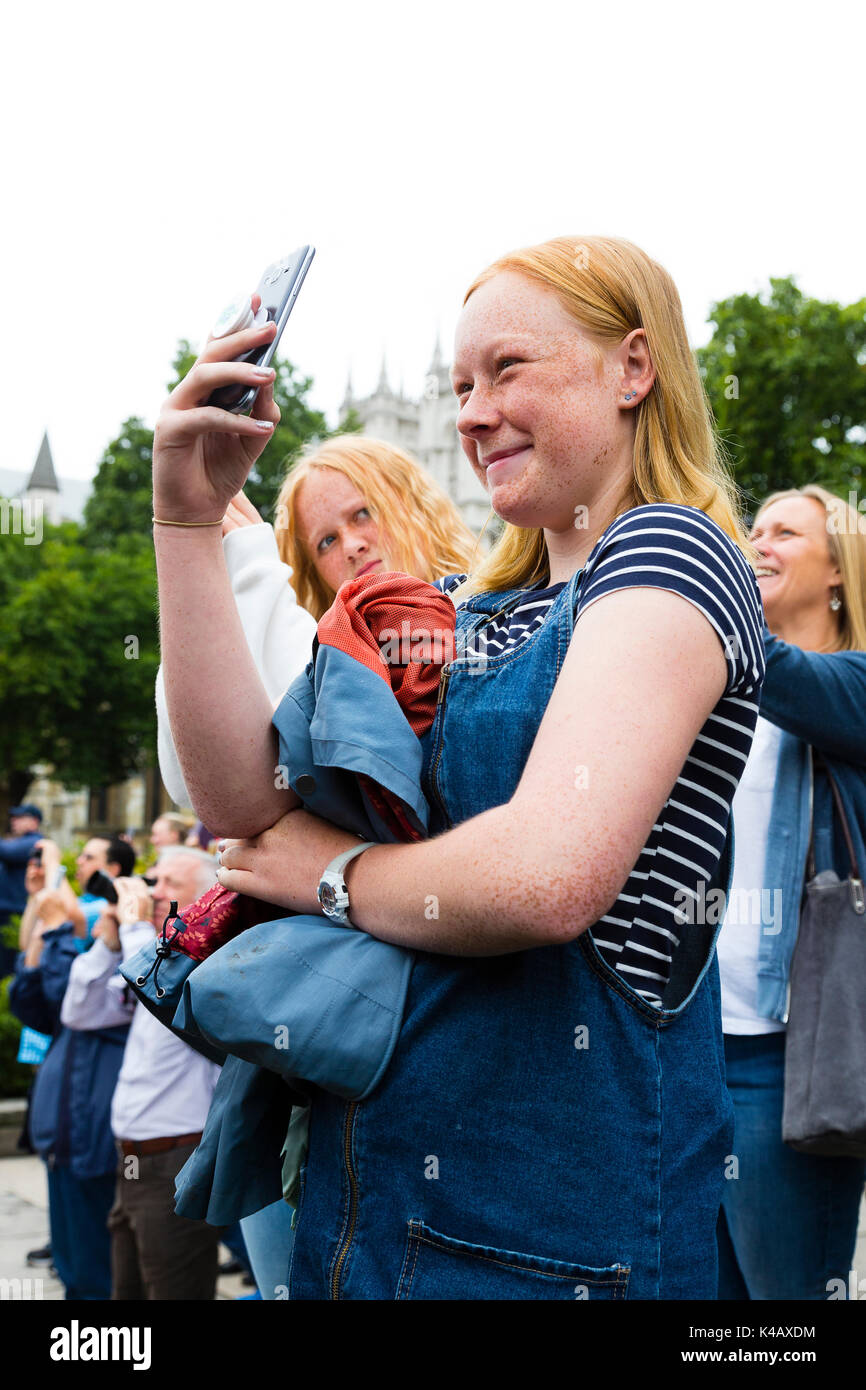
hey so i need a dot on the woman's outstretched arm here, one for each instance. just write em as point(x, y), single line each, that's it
point(219, 711)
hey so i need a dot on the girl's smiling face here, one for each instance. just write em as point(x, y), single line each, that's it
point(542, 415)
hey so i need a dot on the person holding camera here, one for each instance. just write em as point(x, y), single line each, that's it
point(160, 1102)
point(69, 1117)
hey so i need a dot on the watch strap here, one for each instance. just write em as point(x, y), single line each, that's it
point(334, 879)
point(337, 865)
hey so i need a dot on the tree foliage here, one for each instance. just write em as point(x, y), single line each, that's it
point(78, 659)
point(79, 645)
point(786, 378)
point(121, 502)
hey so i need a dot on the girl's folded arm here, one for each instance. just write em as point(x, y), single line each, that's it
point(643, 672)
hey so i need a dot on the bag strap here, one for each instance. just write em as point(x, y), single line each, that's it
point(819, 765)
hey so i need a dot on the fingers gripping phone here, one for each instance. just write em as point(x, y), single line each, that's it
point(279, 288)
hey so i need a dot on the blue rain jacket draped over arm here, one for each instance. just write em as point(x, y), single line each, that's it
point(297, 1000)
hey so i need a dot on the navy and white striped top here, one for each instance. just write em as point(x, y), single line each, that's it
point(677, 548)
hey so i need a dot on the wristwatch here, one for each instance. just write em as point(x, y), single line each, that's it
point(333, 893)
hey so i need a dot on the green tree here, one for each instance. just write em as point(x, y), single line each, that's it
point(299, 425)
point(78, 659)
point(79, 645)
point(786, 378)
point(121, 502)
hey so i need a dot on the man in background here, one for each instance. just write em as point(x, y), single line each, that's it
point(25, 825)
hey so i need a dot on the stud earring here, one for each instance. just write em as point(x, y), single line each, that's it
point(835, 602)
point(629, 395)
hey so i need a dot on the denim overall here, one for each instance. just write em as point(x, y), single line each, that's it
point(541, 1131)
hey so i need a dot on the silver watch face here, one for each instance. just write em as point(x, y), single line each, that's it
point(328, 897)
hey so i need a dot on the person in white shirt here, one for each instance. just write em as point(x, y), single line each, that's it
point(161, 1100)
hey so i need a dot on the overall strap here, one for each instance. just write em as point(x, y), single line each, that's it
point(571, 595)
point(463, 635)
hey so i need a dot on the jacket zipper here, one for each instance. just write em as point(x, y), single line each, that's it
point(352, 1218)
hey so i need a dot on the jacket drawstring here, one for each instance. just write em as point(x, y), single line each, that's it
point(163, 949)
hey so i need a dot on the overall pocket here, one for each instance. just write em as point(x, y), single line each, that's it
point(440, 1267)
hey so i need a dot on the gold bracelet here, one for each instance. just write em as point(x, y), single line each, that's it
point(156, 521)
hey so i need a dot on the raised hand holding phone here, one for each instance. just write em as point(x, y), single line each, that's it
point(203, 448)
point(202, 455)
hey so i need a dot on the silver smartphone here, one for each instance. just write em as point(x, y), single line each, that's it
point(279, 288)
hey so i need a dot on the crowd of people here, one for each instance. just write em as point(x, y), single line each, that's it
point(117, 1102)
point(628, 716)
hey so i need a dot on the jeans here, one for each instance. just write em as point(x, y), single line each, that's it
point(788, 1223)
point(268, 1236)
point(80, 1245)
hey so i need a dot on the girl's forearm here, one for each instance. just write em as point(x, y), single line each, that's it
point(453, 895)
point(218, 709)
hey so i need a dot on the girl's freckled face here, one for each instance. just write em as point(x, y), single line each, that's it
point(335, 525)
point(533, 387)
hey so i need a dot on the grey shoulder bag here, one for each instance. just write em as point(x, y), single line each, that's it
point(825, 1047)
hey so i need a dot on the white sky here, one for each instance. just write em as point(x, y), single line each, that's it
point(157, 157)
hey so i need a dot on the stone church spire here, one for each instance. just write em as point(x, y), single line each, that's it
point(43, 475)
point(43, 489)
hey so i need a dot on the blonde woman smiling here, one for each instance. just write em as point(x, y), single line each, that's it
point(789, 1222)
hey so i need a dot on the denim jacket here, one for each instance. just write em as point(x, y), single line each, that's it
point(816, 699)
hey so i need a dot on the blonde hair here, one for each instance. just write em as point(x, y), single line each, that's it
point(611, 287)
point(846, 541)
point(422, 531)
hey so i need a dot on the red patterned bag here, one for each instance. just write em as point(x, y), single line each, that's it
point(216, 917)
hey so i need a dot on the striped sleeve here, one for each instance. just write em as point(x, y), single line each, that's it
point(448, 583)
point(679, 548)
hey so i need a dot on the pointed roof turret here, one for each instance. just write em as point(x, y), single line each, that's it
point(43, 474)
point(348, 398)
point(383, 389)
point(436, 360)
